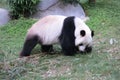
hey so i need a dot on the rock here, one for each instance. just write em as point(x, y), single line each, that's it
point(113, 41)
point(4, 16)
point(57, 8)
point(44, 4)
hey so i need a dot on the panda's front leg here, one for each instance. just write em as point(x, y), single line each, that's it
point(68, 45)
point(68, 49)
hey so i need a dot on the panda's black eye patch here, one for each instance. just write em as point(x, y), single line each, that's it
point(82, 33)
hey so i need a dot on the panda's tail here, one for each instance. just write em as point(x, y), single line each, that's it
point(28, 46)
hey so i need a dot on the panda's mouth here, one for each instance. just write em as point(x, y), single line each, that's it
point(88, 49)
point(85, 49)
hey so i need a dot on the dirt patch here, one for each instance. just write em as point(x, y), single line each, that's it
point(57, 71)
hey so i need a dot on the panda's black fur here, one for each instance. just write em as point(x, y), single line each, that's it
point(66, 40)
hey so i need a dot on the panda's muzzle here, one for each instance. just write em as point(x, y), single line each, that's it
point(88, 49)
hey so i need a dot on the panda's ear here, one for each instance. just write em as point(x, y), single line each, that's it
point(92, 33)
point(82, 33)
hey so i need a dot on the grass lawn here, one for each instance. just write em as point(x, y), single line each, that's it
point(102, 64)
point(3, 4)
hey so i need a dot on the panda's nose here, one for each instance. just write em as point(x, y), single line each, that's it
point(88, 49)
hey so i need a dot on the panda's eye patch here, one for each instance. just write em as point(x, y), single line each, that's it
point(82, 33)
point(81, 44)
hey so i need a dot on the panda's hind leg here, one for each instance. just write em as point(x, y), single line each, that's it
point(29, 44)
point(46, 48)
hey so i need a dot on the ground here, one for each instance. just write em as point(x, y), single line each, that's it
point(102, 64)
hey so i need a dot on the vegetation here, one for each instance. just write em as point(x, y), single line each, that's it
point(22, 7)
point(3, 4)
point(102, 64)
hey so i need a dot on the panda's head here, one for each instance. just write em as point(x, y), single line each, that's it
point(83, 36)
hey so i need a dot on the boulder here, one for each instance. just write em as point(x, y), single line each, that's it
point(45, 4)
point(55, 7)
point(4, 16)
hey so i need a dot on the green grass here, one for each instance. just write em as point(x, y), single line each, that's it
point(3, 4)
point(102, 64)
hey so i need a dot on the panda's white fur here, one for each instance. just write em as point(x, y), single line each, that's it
point(49, 29)
point(87, 39)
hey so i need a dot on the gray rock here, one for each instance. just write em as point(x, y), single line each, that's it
point(113, 41)
point(4, 16)
point(54, 7)
point(45, 4)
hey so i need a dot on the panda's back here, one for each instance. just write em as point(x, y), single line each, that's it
point(47, 29)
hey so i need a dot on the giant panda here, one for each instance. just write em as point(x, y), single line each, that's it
point(70, 32)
